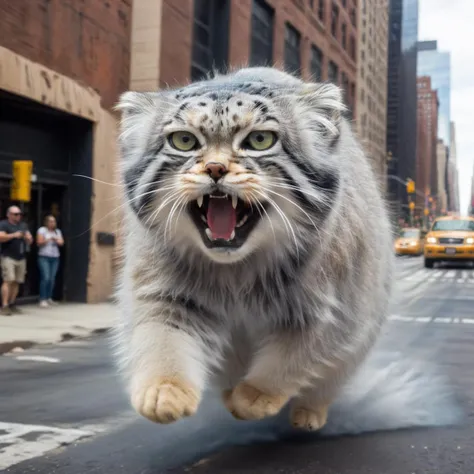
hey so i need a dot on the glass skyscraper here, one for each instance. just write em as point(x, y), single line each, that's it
point(402, 99)
point(437, 65)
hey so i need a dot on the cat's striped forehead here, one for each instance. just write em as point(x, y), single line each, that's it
point(223, 108)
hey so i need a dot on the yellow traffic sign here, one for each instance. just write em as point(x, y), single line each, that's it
point(21, 184)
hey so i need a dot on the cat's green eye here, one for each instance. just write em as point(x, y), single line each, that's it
point(183, 141)
point(260, 140)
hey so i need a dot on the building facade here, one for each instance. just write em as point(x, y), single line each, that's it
point(437, 65)
point(442, 160)
point(426, 158)
point(453, 177)
point(174, 42)
point(62, 66)
point(401, 100)
point(371, 120)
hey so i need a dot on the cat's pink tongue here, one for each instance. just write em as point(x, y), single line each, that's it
point(221, 218)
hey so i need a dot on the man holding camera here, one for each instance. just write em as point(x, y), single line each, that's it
point(14, 237)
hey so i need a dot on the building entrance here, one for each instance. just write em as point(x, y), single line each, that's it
point(60, 146)
point(45, 199)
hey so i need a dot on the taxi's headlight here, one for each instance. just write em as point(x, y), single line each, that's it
point(413, 244)
point(470, 240)
point(431, 240)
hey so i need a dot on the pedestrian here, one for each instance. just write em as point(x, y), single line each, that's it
point(14, 237)
point(49, 238)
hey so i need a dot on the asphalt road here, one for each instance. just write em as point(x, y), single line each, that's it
point(62, 410)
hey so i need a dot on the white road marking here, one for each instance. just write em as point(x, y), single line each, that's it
point(427, 319)
point(22, 442)
point(37, 358)
point(438, 276)
point(396, 317)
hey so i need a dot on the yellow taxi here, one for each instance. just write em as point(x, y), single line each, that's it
point(450, 238)
point(410, 242)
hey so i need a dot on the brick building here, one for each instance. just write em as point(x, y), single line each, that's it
point(371, 119)
point(174, 41)
point(426, 156)
point(63, 64)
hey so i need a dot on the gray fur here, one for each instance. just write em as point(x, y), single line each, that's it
point(297, 308)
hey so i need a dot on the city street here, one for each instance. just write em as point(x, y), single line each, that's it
point(62, 409)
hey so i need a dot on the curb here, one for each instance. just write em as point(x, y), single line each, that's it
point(6, 347)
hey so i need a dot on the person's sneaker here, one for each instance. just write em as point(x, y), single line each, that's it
point(6, 311)
point(15, 310)
point(44, 304)
point(52, 303)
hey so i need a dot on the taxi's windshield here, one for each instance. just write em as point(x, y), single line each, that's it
point(410, 234)
point(454, 225)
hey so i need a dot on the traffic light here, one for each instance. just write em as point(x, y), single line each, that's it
point(411, 206)
point(427, 211)
point(410, 186)
point(21, 185)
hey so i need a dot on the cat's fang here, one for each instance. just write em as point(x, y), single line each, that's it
point(232, 235)
point(242, 221)
point(200, 200)
point(209, 234)
point(235, 200)
point(203, 218)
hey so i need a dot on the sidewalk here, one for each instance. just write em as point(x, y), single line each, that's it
point(45, 326)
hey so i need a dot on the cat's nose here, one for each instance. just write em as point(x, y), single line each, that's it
point(215, 170)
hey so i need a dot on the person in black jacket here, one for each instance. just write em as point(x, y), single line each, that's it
point(14, 237)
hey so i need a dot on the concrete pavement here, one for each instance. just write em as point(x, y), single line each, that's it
point(51, 325)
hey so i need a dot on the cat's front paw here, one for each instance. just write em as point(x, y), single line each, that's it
point(250, 403)
point(166, 400)
point(309, 419)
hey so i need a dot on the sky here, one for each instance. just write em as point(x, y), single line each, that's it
point(450, 23)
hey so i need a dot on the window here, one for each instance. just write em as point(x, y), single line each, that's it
point(316, 63)
point(344, 35)
point(345, 86)
point(262, 34)
point(333, 72)
point(311, 4)
point(210, 36)
point(321, 10)
point(334, 20)
point(353, 16)
point(292, 50)
point(352, 50)
point(344, 3)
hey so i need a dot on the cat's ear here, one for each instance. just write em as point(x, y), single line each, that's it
point(326, 100)
point(138, 112)
point(134, 103)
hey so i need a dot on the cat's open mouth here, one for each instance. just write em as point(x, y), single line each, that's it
point(224, 221)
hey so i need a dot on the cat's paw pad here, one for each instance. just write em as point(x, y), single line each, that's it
point(250, 403)
point(310, 420)
point(166, 401)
